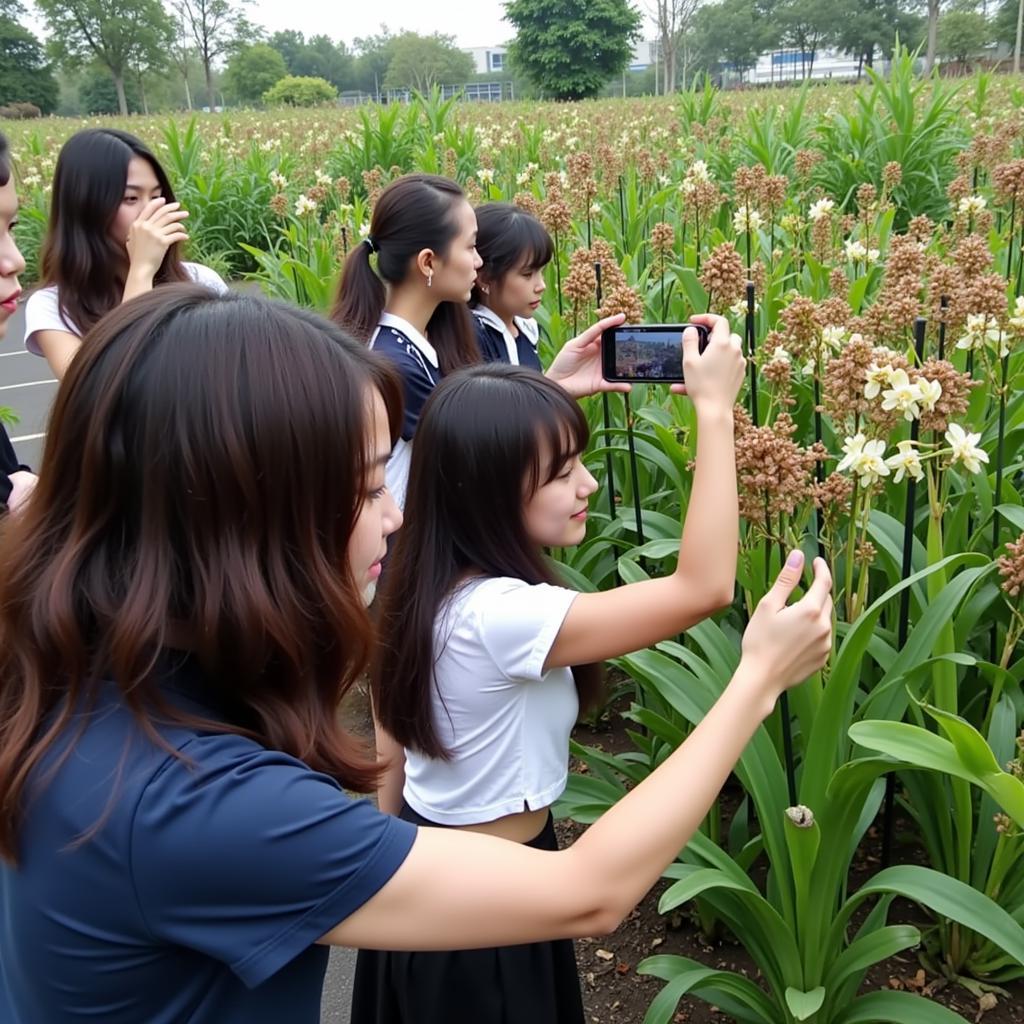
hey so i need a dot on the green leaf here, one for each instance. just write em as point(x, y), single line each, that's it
point(904, 1007)
point(868, 950)
point(805, 1004)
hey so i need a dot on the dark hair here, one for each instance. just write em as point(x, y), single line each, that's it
point(508, 238)
point(5, 160)
point(477, 459)
point(203, 471)
point(78, 255)
point(415, 212)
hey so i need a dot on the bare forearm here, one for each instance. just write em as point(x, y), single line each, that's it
point(137, 283)
point(709, 544)
point(389, 792)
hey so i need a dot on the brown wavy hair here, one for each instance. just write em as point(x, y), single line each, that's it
point(203, 471)
point(413, 213)
point(78, 254)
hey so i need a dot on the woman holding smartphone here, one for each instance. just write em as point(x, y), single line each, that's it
point(182, 606)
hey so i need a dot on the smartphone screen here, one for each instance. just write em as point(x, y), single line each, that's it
point(646, 352)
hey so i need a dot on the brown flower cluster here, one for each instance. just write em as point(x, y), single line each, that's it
point(450, 163)
point(1008, 181)
point(663, 239)
point(800, 328)
point(582, 186)
point(580, 284)
point(899, 299)
point(279, 204)
point(969, 283)
point(528, 201)
point(723, 276)
point(921, 229)
point(833, 496)
point(343, 187)
point(373, 182)
point(846, 376)
point(1011, 567)
point(892, 175)
point(806, 160)
point(956, 393)
point(774, 474)
point(623, 299)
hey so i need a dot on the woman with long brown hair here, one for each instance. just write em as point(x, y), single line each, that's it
point(115, 232)
point(181, 610)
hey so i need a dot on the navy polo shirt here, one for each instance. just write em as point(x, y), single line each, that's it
point(200, 895)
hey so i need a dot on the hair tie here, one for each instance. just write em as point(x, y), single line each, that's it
point(371, 243)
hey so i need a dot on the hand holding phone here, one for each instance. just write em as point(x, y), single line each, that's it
point(647, 353)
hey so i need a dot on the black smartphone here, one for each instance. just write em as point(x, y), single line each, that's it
point(646, 353)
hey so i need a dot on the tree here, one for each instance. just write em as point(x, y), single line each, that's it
point(215, 25)
point(183, 54)
point(933, 33)
point(733, 33)
point(807, 25)
point(97, 95)
point(871, 26)
point(295, 91)
point(371, 65)
point(25, 74)
point(962, 33)
point(673, 20)
point(253, 70)
point(570, 48)
point(119, 34)
point(421, 62)
point(320, 57)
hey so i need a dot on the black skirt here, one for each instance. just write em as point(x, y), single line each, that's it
point(534, 983)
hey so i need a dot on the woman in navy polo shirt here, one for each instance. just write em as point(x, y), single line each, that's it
point(182, 605)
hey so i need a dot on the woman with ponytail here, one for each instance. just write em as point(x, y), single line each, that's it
point(412, 309)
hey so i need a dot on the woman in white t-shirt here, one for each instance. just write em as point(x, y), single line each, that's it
point(485, 659)
point(115, 232)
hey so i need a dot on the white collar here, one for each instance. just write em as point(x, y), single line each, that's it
point(528, 327)
point(404, 327)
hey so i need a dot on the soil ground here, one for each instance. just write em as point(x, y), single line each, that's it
point(613, 993)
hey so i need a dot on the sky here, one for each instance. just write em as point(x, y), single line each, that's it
point(472, 22)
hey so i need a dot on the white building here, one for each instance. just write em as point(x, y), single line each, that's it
point(488, 59)
point(796, 65)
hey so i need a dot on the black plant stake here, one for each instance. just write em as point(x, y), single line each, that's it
point(944, 306)
point(751, 344)
point(903, 627)
point(609, 463)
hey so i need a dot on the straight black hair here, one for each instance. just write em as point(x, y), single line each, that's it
point(5, 160)
point(78, 255)
point(507, 239)
point(415, 212)
point(488, 438)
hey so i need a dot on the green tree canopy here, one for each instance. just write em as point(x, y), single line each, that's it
point(296, 91)
point(732, 33)
point(374, 56)
point(421, 62)
point(870, 27)
point(121, 35)
point(570, 48)
point(317, 57)
point(962, 33)
point(252, 71)
point(25, 74)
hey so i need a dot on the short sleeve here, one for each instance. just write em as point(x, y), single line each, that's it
point(248, 856)
point(518, 623)
point(42, 313)
point(207, 277)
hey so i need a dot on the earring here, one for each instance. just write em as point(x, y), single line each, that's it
point(430, 279)
point(485, 289)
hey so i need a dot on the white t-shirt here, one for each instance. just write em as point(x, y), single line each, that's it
point(42, 311)
point(505, 721)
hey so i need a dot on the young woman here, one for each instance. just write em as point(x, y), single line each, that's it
point(412, 309)
point(115, 232)
point(486, 659)
point(515, 249)
point(16, 480)
point(181, 608)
